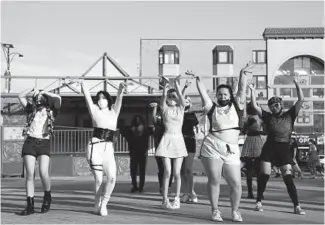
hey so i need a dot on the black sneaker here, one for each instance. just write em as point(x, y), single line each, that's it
point(250, 196)
point(134, 189)
point(29, 208)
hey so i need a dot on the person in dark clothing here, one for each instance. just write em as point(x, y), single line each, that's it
point(294, 151)
point(189, 125)
point(252, 148)
point(276, 150)
point(137, 137)
point(159, 130)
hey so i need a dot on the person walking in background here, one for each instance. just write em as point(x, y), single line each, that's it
point(295, 166)
point(137, 136)
point(159, 130)
point(313, 158)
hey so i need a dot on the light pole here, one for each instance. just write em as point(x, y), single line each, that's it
point(9, 57)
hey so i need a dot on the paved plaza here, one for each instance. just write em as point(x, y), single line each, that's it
point(73, 203)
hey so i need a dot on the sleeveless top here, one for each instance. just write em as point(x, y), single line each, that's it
point(223, 118)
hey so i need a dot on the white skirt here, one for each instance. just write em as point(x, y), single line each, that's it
point(171, 146)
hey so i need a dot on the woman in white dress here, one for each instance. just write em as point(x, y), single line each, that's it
point(100, 152)
point(172, 145)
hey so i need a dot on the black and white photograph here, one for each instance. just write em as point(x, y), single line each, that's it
point(162, 112)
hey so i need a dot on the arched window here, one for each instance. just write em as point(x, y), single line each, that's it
point(303, 67)
point(309, 71)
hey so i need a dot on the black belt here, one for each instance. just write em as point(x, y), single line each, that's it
point(233, 128)
point(103, 134)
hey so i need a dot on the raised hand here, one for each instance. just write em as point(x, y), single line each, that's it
point(247, 68)
point(187, 83)
point(191, 73)
point(251, 86)
point(123, 85)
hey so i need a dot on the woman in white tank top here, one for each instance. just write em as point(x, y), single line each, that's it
point(100, 152)
point(220, 153)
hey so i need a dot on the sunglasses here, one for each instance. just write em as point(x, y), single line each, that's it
point(275, 105)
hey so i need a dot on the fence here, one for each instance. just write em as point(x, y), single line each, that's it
point(70, 141)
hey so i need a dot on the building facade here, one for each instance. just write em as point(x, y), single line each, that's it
point(279, 57)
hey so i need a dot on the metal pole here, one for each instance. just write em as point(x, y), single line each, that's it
point(104, 70)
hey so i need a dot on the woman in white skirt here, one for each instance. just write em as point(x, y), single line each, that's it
point(172, 145)
point(100, 152)
point(252, 147)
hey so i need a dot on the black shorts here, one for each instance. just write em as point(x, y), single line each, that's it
point(277, 153)
point(251, 162)
point(36, 147)
point(190, 144)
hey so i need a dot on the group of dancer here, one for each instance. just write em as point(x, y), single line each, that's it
point(175, 143)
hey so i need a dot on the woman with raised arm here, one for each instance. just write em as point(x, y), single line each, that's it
point(255, 139)
point(220, 153)
point(189, 129)
point(100, 152)
point(172, 145)
point(276, 150)
point(41, 113)
point(157, 135)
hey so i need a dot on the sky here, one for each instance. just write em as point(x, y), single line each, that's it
point(65, 38)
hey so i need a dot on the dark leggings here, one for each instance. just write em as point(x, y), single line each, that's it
point(138, 161)
point(160, 165)
point(251, 165)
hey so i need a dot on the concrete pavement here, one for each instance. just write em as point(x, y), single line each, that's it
point(73, 203)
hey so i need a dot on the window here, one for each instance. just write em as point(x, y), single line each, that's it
point(303, 118)
point(309, 69)
point(318, 92)
point(318, 105)
point(285, 92)
point(223, 54)
point(168, 54)
point(259, 56)
point(260, 82)
point(305, 91)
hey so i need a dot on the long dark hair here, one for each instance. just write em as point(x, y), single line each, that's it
point(34, 98)
point(232, 98)
point(137, 120)
point(106, 96)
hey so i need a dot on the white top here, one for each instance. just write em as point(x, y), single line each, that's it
point(106, 119)
point(223, 117)
point(36, 128)
point(173, 117)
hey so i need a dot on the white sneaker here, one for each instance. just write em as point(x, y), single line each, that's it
point(193, 198)
point(185, 198)
point(299, 211)
point(103, 210)
point(103, 206)
point(166, 204)
point(176, 203)
point(236, 216)
point(216, 216)
point(258, 207)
